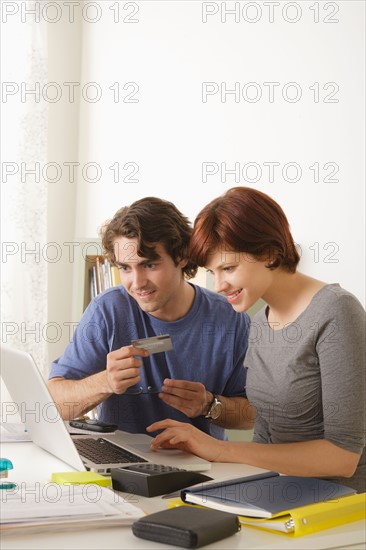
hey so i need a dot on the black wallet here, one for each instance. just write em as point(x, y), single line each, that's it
point(186, 526)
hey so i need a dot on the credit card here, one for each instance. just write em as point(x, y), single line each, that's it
point(155, 344)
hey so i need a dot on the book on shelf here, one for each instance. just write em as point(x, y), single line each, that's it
point(98, 274)
point(93, 282)
point(116, 279)
point(264, 495)
point(63, 507)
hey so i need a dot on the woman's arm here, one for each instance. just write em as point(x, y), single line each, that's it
point(315, 458)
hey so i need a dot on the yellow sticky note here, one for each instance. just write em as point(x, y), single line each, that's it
point(76, 478)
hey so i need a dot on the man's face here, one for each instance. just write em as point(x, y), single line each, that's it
point(155, 284)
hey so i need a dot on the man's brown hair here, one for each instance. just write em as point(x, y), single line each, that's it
point(151, 220)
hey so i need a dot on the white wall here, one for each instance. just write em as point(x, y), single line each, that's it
point(169, 131)
point(64, 53)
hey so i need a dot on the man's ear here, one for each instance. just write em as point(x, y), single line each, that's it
point(182, 263)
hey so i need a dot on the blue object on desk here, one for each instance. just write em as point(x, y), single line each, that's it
point(5, 466)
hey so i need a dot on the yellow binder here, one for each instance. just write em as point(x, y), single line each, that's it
point(306, 519)
point(313, 517)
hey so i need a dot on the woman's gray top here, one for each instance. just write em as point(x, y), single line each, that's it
point(307, 380)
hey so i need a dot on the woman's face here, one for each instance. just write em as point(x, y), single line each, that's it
point(240, 277)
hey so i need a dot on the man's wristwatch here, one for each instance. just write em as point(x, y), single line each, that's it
point(215, 408)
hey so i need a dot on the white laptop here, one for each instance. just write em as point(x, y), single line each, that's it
point(32, 400)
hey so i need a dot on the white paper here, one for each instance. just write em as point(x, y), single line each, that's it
point(53, 503)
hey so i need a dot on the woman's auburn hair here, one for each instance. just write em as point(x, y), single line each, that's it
point(244, 220)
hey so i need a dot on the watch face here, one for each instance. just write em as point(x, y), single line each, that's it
point(216, 410)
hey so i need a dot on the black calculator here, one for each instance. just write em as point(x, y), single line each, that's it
point(151, 480)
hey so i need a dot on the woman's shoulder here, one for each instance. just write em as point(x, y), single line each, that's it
point(334, 292)
point(334, 299)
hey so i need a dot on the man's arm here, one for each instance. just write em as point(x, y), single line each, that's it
point(194, 400)
point(76, 397)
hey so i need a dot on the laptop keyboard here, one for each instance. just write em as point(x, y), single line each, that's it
point(101, 451)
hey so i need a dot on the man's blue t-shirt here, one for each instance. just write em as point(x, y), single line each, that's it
point(209, 344)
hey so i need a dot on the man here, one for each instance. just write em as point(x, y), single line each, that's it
point(201, 381)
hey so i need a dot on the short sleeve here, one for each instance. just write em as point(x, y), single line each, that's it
point(86, 353)
point(341, 351)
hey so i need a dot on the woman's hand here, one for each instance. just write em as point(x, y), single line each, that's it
point(184, 436)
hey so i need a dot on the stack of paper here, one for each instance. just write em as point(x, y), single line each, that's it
point(52, 506)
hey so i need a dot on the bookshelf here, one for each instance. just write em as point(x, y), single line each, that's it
point(99, 275)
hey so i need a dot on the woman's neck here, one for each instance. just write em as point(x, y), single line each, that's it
point(288, 296)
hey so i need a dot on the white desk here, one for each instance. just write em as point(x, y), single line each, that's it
point(32, 464)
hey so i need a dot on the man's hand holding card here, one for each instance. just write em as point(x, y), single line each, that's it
point(191, 398)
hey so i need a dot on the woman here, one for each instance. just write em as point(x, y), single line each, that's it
point(306, 357)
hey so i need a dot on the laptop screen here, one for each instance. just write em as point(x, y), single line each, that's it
point(32, 401)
